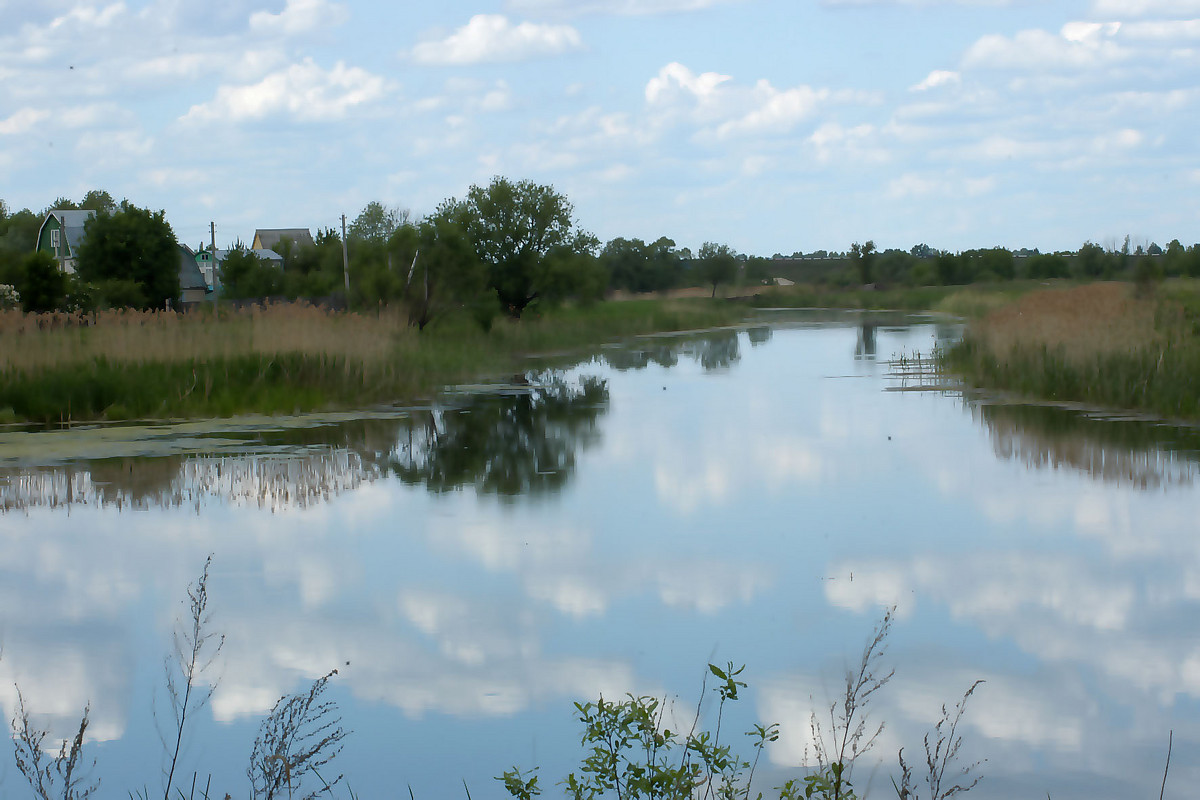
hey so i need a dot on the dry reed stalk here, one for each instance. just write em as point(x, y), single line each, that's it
point(1082, 322)
point(30, 342)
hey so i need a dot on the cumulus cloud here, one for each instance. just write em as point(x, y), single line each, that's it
point(492, 37)
point(299, 16)
point(628, 7)
point(1078, 46)
point(939, 77)
point(728, 109)
point(304, 91)
point(22, 120)
point(1139, 8)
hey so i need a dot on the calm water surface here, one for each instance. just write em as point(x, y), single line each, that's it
point(757, 496)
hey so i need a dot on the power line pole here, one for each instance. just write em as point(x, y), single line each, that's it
point(212, 259)
point(345, 261)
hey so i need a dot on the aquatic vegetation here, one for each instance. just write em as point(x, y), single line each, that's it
point(1101, 344)
point(57, 368)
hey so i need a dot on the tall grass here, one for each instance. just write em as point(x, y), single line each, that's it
point(283, 359)
point(1101, 344)
point(967, 301)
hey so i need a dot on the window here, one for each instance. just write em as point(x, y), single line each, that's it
point(54, 238)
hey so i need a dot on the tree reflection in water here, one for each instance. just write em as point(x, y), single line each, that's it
point(508, 442)
point(713, 350)
point(522, 441)
point(1139, 453)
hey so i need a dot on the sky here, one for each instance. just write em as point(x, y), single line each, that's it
point(773, 126)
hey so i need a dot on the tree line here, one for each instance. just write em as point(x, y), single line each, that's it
point(502, 249)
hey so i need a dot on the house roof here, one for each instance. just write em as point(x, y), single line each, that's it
point(190, 276)
point(262, 253)
point(71, 222)
point(269, 237)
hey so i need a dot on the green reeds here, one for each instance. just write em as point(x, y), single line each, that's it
point(285, 359)
point(1098, 345)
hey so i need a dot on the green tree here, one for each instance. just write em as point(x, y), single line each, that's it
point(135, 245)
point(1091, 261)
point(525, 235)
point(717, 263)
point(862, 256)
point(43, 284)
point(376, 223)
point(245, 276)
point(99, 201)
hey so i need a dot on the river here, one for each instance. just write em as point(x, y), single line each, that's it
point(473, 567)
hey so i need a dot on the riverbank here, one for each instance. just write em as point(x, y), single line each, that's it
point(1108, 344)
point(125, 365)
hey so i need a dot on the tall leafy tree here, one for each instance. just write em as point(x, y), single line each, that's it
point(525, 234)
point(440, 269)
point(42, 284)
point(717, 264)
point(862, 256)
point(246, 276)
point(376, 223)
point(132, 245)
point(99, 201)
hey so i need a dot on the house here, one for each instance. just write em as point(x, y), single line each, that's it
point(192, 288)
point(209, 264)
point(61, 234)
point(268, 238)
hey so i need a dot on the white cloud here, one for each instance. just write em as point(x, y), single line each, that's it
point(492, 37)
point(775, 110)
point(1139, 8)
point(629, 7)
point(675, 80)
point(22, 120)
point(299, 16)
point(939, 77)
point(304, 91)
point(1079, 46)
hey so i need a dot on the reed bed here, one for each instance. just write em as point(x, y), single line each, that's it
point(284, 358)
point(1101, 344)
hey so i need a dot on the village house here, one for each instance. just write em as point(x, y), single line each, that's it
point(62, 232)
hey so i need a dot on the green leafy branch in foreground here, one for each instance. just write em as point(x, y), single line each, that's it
point(630, 752)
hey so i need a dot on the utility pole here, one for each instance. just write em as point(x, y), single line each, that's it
point(212, 257)
point(345, 261)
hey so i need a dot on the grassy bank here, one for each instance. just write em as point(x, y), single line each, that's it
point(966, 301)
point(1103, 344)
point(284, 359)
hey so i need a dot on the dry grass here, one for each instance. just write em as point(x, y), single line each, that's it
point(34, 342)
point(1082, 322)
point(1101, 344)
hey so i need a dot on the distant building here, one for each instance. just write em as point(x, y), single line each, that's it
point(61, 234)
point(192, 288)
point(268, 238)
point(209, 264)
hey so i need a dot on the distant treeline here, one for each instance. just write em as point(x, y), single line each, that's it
point(504, 248)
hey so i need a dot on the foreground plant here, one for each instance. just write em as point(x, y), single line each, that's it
point(302, 734)
point(196, 648)
point(52, 777)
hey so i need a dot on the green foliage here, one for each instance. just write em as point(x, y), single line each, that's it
point(246, 276)
point(43, 284)
point(716, 264)
point(635, 266)
point(442, 270)
point(135, 245)
point(862, 256)
point(630, 753)
point(525, 235)
point(376, 223)
point(1046, 266)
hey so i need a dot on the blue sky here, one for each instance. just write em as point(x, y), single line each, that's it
point(770, 125)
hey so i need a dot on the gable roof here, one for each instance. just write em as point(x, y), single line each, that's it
point(71, 222)
point(190, 276)
point(267, 238)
